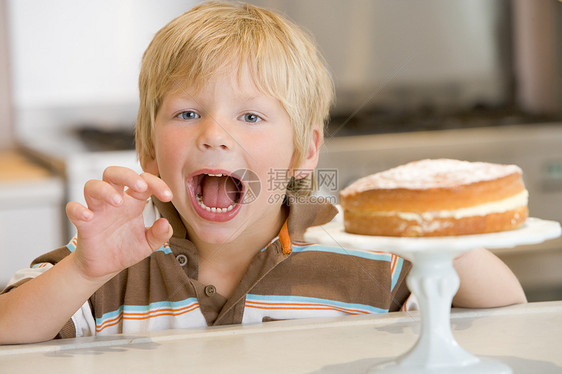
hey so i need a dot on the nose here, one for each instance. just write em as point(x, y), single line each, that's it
point(214, 135)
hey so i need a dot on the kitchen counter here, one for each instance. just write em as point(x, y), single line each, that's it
point(16, 168)
point(525, 337)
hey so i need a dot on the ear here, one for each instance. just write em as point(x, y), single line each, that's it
point(310, 160)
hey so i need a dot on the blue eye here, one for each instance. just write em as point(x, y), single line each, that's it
point(188, 115)
point(251, 118)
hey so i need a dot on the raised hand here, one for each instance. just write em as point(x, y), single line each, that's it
point(111, 231)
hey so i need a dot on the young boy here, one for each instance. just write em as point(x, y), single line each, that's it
point(230, 94)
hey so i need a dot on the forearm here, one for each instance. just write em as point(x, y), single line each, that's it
point(485, 281)
point(112, 237)
point(38, 309)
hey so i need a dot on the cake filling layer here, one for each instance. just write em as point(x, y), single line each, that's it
point(501, 206)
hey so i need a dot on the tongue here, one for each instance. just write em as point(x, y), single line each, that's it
point(218, 192)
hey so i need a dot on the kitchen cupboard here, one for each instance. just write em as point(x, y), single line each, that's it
point(31, 222)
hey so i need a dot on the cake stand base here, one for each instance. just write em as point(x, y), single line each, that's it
point(434, 281)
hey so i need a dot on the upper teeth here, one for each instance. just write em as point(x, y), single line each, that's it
point(214, 175)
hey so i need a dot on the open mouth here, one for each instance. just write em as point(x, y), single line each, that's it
point(217, 193)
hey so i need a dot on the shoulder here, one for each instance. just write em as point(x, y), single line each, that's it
point(384, 267)
point(320, 249)
point(345, 262)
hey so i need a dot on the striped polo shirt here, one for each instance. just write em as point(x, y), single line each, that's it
point(287, 279)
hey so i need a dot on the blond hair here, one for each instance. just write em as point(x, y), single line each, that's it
point(215, 36)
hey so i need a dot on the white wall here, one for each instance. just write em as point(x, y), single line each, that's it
point(6, 130)
point(81, 52)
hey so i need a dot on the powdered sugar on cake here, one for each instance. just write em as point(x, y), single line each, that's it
point(432, 173)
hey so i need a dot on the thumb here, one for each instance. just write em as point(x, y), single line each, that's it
point(160, 232)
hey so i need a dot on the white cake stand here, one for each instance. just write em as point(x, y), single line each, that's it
point(434, 282)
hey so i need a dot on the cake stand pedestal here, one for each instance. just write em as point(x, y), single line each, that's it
point(434, 282)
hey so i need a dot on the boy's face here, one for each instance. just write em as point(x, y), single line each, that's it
point(204, 142)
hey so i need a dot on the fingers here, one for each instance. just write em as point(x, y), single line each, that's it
point(160, 232)
point(98, 193)
point(120, 180)
point(77, 213)
point(121, 177)
point(157, 187)
point(139, 186)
